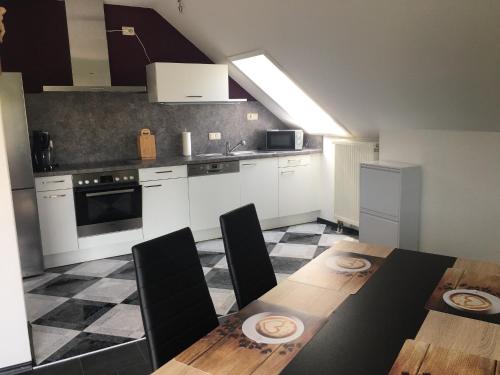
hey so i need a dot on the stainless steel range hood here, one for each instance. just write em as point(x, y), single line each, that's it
point(89, 49)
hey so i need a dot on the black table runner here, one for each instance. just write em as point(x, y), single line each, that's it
point(366, 333)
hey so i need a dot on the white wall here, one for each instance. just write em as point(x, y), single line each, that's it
point(460, 188)
point(14, 340)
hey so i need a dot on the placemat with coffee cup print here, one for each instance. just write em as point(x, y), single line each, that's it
point(468, 294)
point(420, 358)
point(249, 347)
point(339, 270)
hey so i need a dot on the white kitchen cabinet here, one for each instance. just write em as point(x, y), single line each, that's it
point(390, 204)
point(174, 82)
point(211, 196)
point(299, 185)
point(259, 185)
point(56, 210)
point(295, 190)
point(165, 206)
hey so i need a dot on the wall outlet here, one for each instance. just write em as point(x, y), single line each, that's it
point(128, 30)
point(252, 116)
point(214, 136)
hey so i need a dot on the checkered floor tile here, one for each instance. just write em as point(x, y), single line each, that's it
point(84, 307)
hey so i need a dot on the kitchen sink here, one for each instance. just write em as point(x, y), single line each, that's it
point(214, 155)
point(242, 153)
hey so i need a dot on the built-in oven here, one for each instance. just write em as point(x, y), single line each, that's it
point(107, 202)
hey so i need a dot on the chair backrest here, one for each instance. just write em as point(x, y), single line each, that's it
point(249, 264)
point(175, 302)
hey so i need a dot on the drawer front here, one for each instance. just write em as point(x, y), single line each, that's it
point(162, 173)
point(293, 161)
point(53, 183)
point(377, 230)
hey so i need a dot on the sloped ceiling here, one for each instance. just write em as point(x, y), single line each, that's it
point(432, 64)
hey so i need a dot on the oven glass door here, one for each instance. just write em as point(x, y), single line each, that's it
point(105, 209)
point(281, 140)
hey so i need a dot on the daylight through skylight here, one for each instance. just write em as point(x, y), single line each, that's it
point(303, 111)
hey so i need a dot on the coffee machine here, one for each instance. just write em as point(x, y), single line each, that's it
point(43, 159)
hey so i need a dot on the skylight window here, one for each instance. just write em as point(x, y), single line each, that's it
point(303, 111)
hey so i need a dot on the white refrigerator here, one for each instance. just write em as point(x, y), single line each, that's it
point(21, 173)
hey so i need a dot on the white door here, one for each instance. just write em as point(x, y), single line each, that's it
point(259, 185)
point(377, 230)
point(296, 190)
point(212, 196)
point(56, 210)
point(165, 207)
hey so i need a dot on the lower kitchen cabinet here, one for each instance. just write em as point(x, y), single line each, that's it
point(56, 210)
point(259, 185)
point(165, 206)
point(210, 197)
point(299, 188)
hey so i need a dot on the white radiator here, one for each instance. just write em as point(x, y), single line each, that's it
point(348, 157)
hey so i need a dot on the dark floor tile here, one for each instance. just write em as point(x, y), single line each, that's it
point(144, 349)
point(65, 285)
point(143, 368)
point(127, 271)
point(320, 250)
point(281, 229)
point(62, 269)
point(287, 265)
point(209, 259)
point(123, 257)
point(74, 314)
point(301, 238)
point(112, 360)
point(86, 343)
point(270, 246)
point(72, 367)
point(133, 299)
point(219, 278)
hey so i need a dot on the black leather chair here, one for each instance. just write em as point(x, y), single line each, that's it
point(176, 306)
point(249, 264)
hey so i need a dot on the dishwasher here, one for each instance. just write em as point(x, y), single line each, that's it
point(214, 189)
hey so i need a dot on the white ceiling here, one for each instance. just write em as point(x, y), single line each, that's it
point(431, 64)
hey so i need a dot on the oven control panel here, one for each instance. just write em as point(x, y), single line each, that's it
point(106, 178)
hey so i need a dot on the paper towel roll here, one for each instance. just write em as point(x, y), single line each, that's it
point(186, 143)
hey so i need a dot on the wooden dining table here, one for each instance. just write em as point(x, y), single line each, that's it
point(355, 323)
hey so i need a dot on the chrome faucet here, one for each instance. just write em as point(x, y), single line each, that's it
point(229, 149)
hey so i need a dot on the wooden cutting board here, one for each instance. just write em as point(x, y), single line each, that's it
point(146, 145)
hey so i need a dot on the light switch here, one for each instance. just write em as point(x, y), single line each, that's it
point(214, 136)
point(252, 116)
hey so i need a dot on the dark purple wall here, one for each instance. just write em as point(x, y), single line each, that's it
point(36, 44)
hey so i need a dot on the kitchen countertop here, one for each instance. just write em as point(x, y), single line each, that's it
point(166, 161)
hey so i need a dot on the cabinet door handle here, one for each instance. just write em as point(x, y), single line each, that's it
point(286, 172)
point(54, 196)
point(159, 172)
point(153, 186)
point(249, 164)
point(53, 182)
point(194, 96)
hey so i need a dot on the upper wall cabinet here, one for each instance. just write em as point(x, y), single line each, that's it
point(180, 83)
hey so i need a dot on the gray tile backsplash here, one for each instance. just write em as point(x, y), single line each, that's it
point(93, 127)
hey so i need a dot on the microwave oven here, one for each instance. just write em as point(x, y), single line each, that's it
point(277, 140)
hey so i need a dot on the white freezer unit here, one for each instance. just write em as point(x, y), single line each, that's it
point(390, 195)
